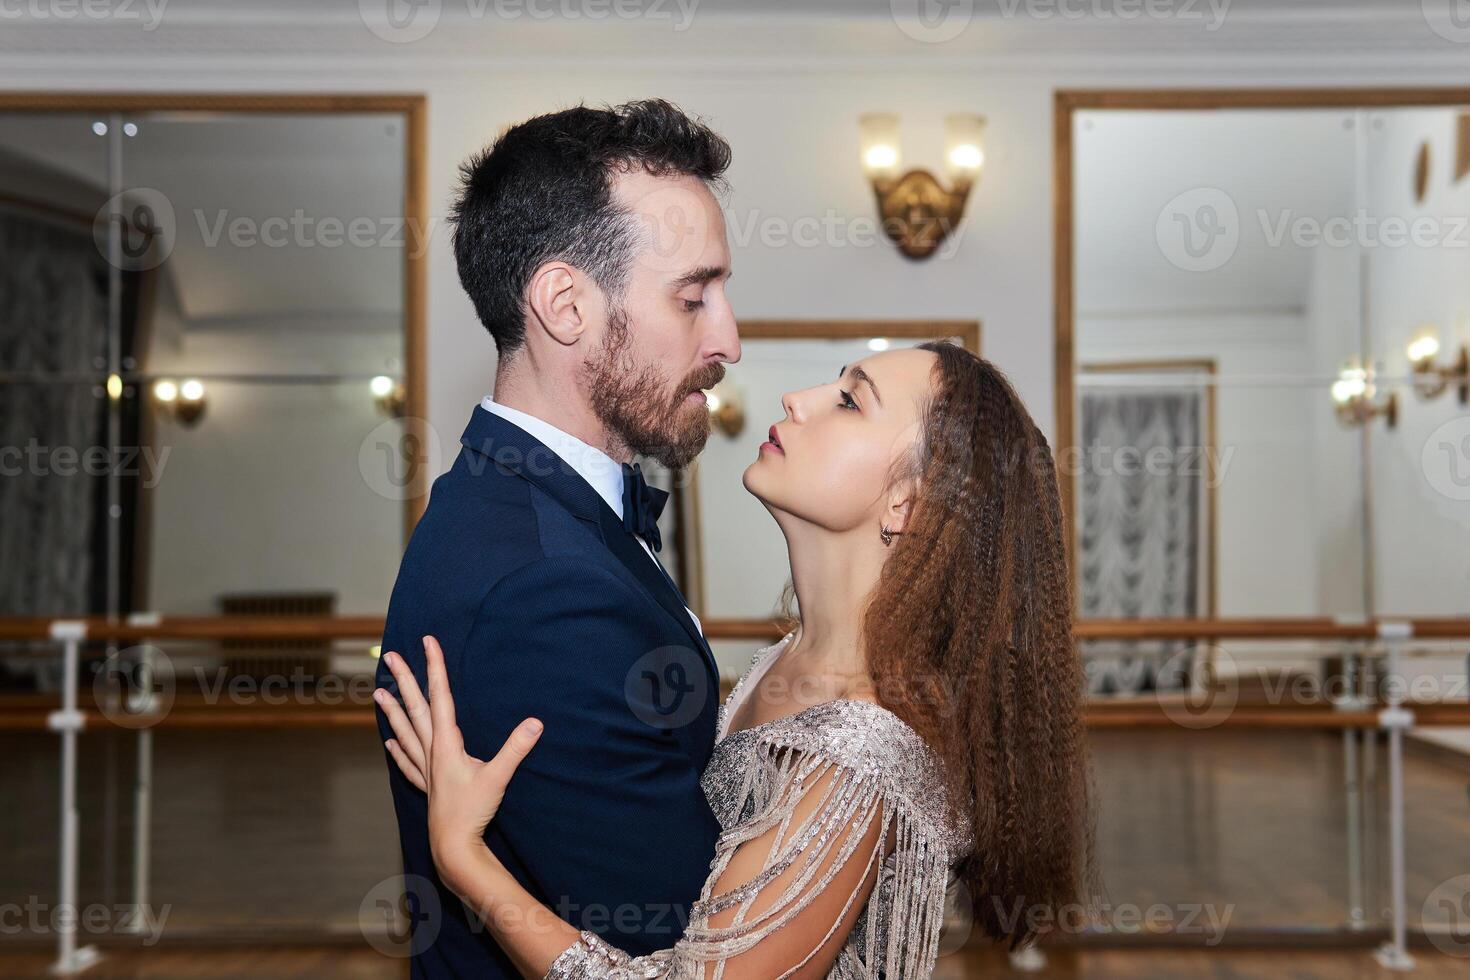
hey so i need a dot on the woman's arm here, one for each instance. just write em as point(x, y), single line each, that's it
point(783, 892)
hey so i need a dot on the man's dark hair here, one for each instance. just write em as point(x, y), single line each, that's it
point(543, 192)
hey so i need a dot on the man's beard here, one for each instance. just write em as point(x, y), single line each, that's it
point(632, 400)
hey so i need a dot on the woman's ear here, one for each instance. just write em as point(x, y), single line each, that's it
point(900, 506)
point(551, 299)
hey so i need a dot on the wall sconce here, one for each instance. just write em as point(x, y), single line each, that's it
point(390, 396)
point(726, 404)
point(1431, 379)
point(182, 402)
point(1354, 395)
point(917, 212)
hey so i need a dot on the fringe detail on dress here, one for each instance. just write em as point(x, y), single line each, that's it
point(847, 794)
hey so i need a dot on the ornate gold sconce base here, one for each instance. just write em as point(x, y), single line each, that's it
point(188, 413)
point(729, 418)
point(917, 212)
point(1360, 410)
point(394, 403)
point(1431, 380)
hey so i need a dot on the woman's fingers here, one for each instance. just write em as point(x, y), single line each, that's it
point(405, 736)
point(499, 770)
point(410, 769)
point(441, 702)
point(413, 701)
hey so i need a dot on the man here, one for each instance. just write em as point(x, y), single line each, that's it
point(594, 250)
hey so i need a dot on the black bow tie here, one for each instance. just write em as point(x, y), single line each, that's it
point(641, 506)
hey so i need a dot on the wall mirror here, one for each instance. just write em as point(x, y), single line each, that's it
point(1258, 295)
point(732, 557)
point(212, 342)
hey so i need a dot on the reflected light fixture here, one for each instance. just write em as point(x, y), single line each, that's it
point(878, 344)
point(390, 396)
point(726, 405)
point(1355, 398)
point(1432, 379)
point(917, 211)
point(184, 402)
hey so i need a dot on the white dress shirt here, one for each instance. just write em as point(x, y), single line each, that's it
point(603, 473)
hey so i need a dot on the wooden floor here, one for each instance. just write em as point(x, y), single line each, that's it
point(276, 832)
point(309, 964)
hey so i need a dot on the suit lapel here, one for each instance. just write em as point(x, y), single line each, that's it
point(512, 448)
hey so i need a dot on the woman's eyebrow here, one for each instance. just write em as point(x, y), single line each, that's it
point(862, 377)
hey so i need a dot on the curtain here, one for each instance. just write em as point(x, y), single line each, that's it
point(1141, 511)
point(53, 319)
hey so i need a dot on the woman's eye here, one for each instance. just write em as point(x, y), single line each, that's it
point(847, 399)
point(690, 305)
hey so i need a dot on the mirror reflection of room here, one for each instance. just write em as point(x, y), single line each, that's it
point(260, 339)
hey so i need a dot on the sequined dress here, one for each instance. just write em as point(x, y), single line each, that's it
point(807, 790)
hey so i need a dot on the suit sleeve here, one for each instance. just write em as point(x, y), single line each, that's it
point(605, 821)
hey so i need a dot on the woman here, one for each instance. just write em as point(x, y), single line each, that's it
point(922, 718)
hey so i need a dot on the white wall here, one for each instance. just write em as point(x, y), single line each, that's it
point(1423, 540)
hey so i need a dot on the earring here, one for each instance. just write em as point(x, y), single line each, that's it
point(887, 535)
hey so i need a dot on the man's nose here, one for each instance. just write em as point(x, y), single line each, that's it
point(726, 336)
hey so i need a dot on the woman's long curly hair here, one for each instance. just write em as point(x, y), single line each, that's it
point(968, 638)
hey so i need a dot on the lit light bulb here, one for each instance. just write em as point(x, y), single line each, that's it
point(192, 390)
point(878, 344)
point(966, 156)
point(1351, 383)
point(881, 157)
point(382, 386)
point(165, 391)
point(1423, 348)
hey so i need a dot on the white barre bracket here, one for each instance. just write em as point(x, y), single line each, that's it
point(1390, 718)
point(1395, 630)
point(66, 721)
point(68, 629)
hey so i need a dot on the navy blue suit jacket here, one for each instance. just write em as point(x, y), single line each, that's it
point(546, 606)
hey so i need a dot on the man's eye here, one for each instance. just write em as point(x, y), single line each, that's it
point(847, 400)
point(690, 305)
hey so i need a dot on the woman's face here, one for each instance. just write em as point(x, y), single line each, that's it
point(829, 461)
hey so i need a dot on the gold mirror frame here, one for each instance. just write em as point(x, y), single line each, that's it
point(1066, 102)
point(414, 110)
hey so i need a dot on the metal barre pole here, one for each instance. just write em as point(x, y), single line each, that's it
point(68, 721)
point(1394, 955)
point(1353, 788)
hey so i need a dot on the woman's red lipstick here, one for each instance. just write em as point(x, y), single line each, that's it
point(773, 443)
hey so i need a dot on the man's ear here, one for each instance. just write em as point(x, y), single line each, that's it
point(551, 299)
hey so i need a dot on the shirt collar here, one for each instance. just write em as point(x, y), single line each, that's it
point(602, 473)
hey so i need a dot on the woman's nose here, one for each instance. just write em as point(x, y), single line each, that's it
point(788, 402)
